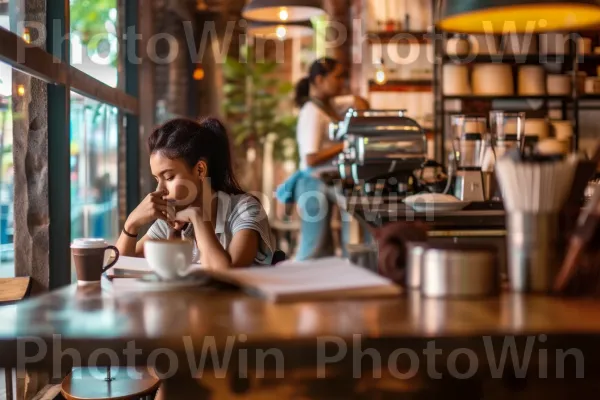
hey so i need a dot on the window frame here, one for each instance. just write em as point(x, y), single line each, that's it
point(52, 65)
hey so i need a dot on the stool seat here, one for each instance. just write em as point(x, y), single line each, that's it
point(80, 384)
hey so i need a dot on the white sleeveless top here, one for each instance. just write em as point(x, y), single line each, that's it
point(312, 131)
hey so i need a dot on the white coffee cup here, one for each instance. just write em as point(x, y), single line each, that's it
point(169, 259)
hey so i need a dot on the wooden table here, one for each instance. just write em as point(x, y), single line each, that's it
point(14, 289)
point(92, 318)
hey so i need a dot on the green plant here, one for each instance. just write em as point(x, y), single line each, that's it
point(254, 103)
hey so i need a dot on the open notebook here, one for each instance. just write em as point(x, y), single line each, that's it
point(328, 278)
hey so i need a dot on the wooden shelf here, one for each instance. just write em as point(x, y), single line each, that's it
point(588, 57)
point(519, 59)
point(507, 59)
point(476, 97)
point(400, 37)
point(425, 85)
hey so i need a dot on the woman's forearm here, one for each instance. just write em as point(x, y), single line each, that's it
point(213, 255)
point(127, 244)
point(325, 155)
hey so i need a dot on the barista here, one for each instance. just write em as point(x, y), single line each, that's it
point(318, 96)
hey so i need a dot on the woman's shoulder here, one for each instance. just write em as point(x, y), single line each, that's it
point(245, 201)
point(246, 208)
point(310, 110)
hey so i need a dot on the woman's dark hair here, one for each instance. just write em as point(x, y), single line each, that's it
point(194, 141)
point(321, 67)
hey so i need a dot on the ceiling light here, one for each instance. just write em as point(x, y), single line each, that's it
point(282, 10)
point(266, 30)
point(283, 14)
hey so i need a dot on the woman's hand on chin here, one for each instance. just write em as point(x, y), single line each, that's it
point(189, 215)
point(177, 225)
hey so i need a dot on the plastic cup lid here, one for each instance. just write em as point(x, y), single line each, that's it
point(89, 244)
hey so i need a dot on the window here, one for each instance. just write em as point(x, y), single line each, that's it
point(94, 169)
point(14, 103)
point(84, 165)
point(94, 43)
point(12, 19)
point(9, 10)
point(6, 175)
point(5, 15)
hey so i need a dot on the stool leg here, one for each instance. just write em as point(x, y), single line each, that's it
point(8, 383)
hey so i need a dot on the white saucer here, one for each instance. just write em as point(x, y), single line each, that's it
point(152, 283)
point(435, 202)
point(439, 207)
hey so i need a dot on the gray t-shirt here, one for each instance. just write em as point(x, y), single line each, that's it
point(234, 213)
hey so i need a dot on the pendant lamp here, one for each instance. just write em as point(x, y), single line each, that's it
point(282, 10)
point(520, 16)
point(282, 31)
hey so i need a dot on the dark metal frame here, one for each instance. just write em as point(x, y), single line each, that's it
point(59, 152)
point(132, 121)
point(53, 66)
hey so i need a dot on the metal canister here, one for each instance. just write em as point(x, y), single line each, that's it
point(533, 251)
point(464, 271)
point(414, 263)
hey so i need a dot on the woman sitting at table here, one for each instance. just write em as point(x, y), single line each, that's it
point(199, 198)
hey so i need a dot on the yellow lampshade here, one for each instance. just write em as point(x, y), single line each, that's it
point(505, 16)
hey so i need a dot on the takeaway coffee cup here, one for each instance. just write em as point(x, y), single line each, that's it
point(89, 258)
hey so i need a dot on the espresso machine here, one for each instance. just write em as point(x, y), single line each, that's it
point(382, 149)
point(468, 150)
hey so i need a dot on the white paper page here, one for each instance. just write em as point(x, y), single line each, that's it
point(129, 264)
point(318, 276)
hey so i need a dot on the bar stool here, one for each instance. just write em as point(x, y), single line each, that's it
point(81, 384)
point(13, 290)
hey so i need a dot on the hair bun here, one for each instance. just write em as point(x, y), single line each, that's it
point(214, 125)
